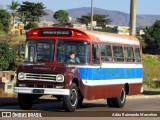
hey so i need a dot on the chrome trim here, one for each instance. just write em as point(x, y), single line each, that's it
point(50, 91)
point(40, 77)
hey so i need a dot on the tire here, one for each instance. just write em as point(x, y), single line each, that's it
point(25, 101)
point(111, 102)
point(118, 102)
point(80, 101)
point(70, 102)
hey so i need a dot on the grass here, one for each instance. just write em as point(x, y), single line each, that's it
point(12, 39)
point(151, 65)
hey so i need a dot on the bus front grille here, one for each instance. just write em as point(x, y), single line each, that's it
point(40, 77)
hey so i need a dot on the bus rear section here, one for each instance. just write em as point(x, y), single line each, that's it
point(104, 66)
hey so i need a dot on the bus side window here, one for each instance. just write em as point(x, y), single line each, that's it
point(95, 54)
point(106, 53)
point(137, 55)
point(128, 53)
point(118, 53)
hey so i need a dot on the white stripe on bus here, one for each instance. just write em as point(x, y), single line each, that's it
point(111, 82)
point(109, 65)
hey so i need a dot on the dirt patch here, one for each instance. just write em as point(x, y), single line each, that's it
point(7, 95)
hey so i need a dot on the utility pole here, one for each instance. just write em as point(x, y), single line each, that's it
point(91, 14)
point(133, 17)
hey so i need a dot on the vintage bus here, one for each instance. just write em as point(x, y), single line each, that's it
point(109, 67)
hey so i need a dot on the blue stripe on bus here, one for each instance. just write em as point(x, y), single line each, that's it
point(110, 73)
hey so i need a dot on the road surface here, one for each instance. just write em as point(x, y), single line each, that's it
point(94, 108)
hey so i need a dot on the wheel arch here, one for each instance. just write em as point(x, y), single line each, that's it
point(75, 80)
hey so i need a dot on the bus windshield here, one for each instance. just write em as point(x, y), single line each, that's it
point(66, 48)
point(39, 51)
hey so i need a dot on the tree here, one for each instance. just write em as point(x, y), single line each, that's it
point(4, 21)
point(152, 38)
point(1, 7)
point(31, 25)
point(14, 5)
point(31, 11)
point(102, 20)
point(7, 56)
point(62, 16)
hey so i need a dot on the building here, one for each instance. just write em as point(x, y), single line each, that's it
point(123, 30)
point(18, 27)
point(7, 81)
point(79, 26)
point(45, 23)
point(140, 32)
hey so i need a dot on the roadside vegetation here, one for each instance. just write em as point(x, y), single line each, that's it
point(151, 65)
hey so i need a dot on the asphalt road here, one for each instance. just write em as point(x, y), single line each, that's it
point(96, 109)
point(133, 103)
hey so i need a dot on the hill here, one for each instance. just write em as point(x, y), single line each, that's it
point(117, 17)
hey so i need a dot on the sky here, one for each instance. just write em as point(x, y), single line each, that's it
point(151, 7)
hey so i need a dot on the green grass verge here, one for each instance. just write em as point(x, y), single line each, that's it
point(151, 65)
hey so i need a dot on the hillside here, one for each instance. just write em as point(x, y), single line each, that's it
point(117, 17)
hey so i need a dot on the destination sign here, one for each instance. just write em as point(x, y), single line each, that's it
point(56, 32)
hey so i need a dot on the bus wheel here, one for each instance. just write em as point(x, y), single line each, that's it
point(80, 101)
point(70, 102)
point(111, 102)
point(118, 102)
point(25, 101)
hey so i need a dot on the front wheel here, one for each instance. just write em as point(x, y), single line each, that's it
point(119, 101)
point(25, 101)
point(70, 102)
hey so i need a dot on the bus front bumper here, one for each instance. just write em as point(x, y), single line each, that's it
point(45, 91)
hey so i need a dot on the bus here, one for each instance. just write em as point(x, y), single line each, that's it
point(109, 67)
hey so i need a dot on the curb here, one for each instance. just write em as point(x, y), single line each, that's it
point(140, 96)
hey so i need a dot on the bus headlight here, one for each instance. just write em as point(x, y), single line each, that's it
point(21, 76)
point(60, 78)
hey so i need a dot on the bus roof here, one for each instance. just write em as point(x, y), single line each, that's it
point(92, 36)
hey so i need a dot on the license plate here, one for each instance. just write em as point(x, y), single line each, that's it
point(38, 90)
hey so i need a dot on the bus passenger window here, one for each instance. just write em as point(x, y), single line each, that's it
point(118, 54)
point(95, 54)
point(137, 55)
point(106, 53)
point(128, 53)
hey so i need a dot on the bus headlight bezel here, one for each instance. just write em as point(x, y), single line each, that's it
point(60, 78)
point(21, 76)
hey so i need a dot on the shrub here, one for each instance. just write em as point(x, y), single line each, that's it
point(31, 25)
point(151, 66)
point(8, 56)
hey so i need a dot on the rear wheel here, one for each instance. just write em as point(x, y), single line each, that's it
point(70, 102)
point(118, 102)
point(25, 101)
